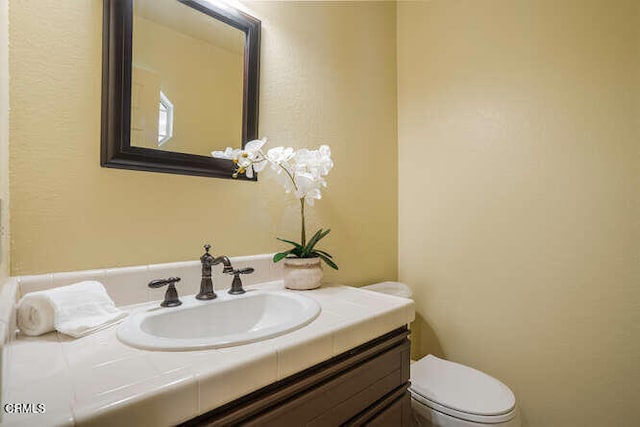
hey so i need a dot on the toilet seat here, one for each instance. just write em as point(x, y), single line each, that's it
point(460, 391)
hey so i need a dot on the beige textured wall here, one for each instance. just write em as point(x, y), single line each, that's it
point(519, 201)
point(323, 81)
point(4, 139)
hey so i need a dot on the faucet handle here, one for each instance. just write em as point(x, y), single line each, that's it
point(247, 270)
point(171, 296)
point(236, 285)
point(207, 247)
point(161, 282)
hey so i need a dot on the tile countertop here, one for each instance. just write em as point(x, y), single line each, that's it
point(97, 380)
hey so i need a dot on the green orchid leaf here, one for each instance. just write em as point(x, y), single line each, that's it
point(327, 231)
point(323, 253)
point(312, 241)
point(328, 260)
point(280, 255)
point(297, 245)
point(316, 238)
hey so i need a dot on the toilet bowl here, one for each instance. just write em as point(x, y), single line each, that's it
point(448, 394)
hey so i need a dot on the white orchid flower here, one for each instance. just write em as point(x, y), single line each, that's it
point(279, 155)
point(229, 153)
point(307, 187)
point(325, 164)
point(254, 148)
point(317, 162)
point(247, 159)
point(301, 171)
point(252, 158)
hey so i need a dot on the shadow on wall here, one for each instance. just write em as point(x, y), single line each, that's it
point(424, 339)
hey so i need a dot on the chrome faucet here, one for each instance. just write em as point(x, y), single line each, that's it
point(208, 261)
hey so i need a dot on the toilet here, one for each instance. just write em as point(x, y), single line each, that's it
point(448, 394)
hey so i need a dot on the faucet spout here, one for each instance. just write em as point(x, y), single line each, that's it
point(225, 262)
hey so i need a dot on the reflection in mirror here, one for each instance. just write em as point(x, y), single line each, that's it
point(187, 79)
point(165, 120)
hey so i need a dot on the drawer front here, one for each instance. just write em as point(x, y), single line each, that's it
point(337, 401)
point(350, 389)
point(393, 410)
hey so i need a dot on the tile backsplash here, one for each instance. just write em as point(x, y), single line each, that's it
point(128, 285)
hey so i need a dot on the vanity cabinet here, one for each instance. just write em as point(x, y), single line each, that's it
point(367, 385)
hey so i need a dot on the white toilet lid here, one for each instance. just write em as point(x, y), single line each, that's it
point(464, 390)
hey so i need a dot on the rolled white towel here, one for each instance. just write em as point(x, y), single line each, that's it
point(75, 310)
point(35, 315)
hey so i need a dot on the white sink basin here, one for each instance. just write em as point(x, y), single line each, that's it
point(224, 322)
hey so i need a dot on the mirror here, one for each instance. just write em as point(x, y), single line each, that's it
point(180, 79)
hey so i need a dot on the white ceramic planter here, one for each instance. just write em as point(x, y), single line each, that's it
point(302, 273)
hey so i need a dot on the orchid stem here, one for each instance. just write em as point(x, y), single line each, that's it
point(303, 236)
point(293, 181)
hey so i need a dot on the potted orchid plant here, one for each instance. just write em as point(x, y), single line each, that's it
point(302, 172)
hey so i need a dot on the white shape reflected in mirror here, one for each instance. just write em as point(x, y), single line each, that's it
point(165, 120)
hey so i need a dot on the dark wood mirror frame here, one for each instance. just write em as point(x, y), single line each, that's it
point(116, 149)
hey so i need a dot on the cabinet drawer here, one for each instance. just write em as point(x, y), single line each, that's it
point(359, 384)
point(393, 410)
point(336, 402)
